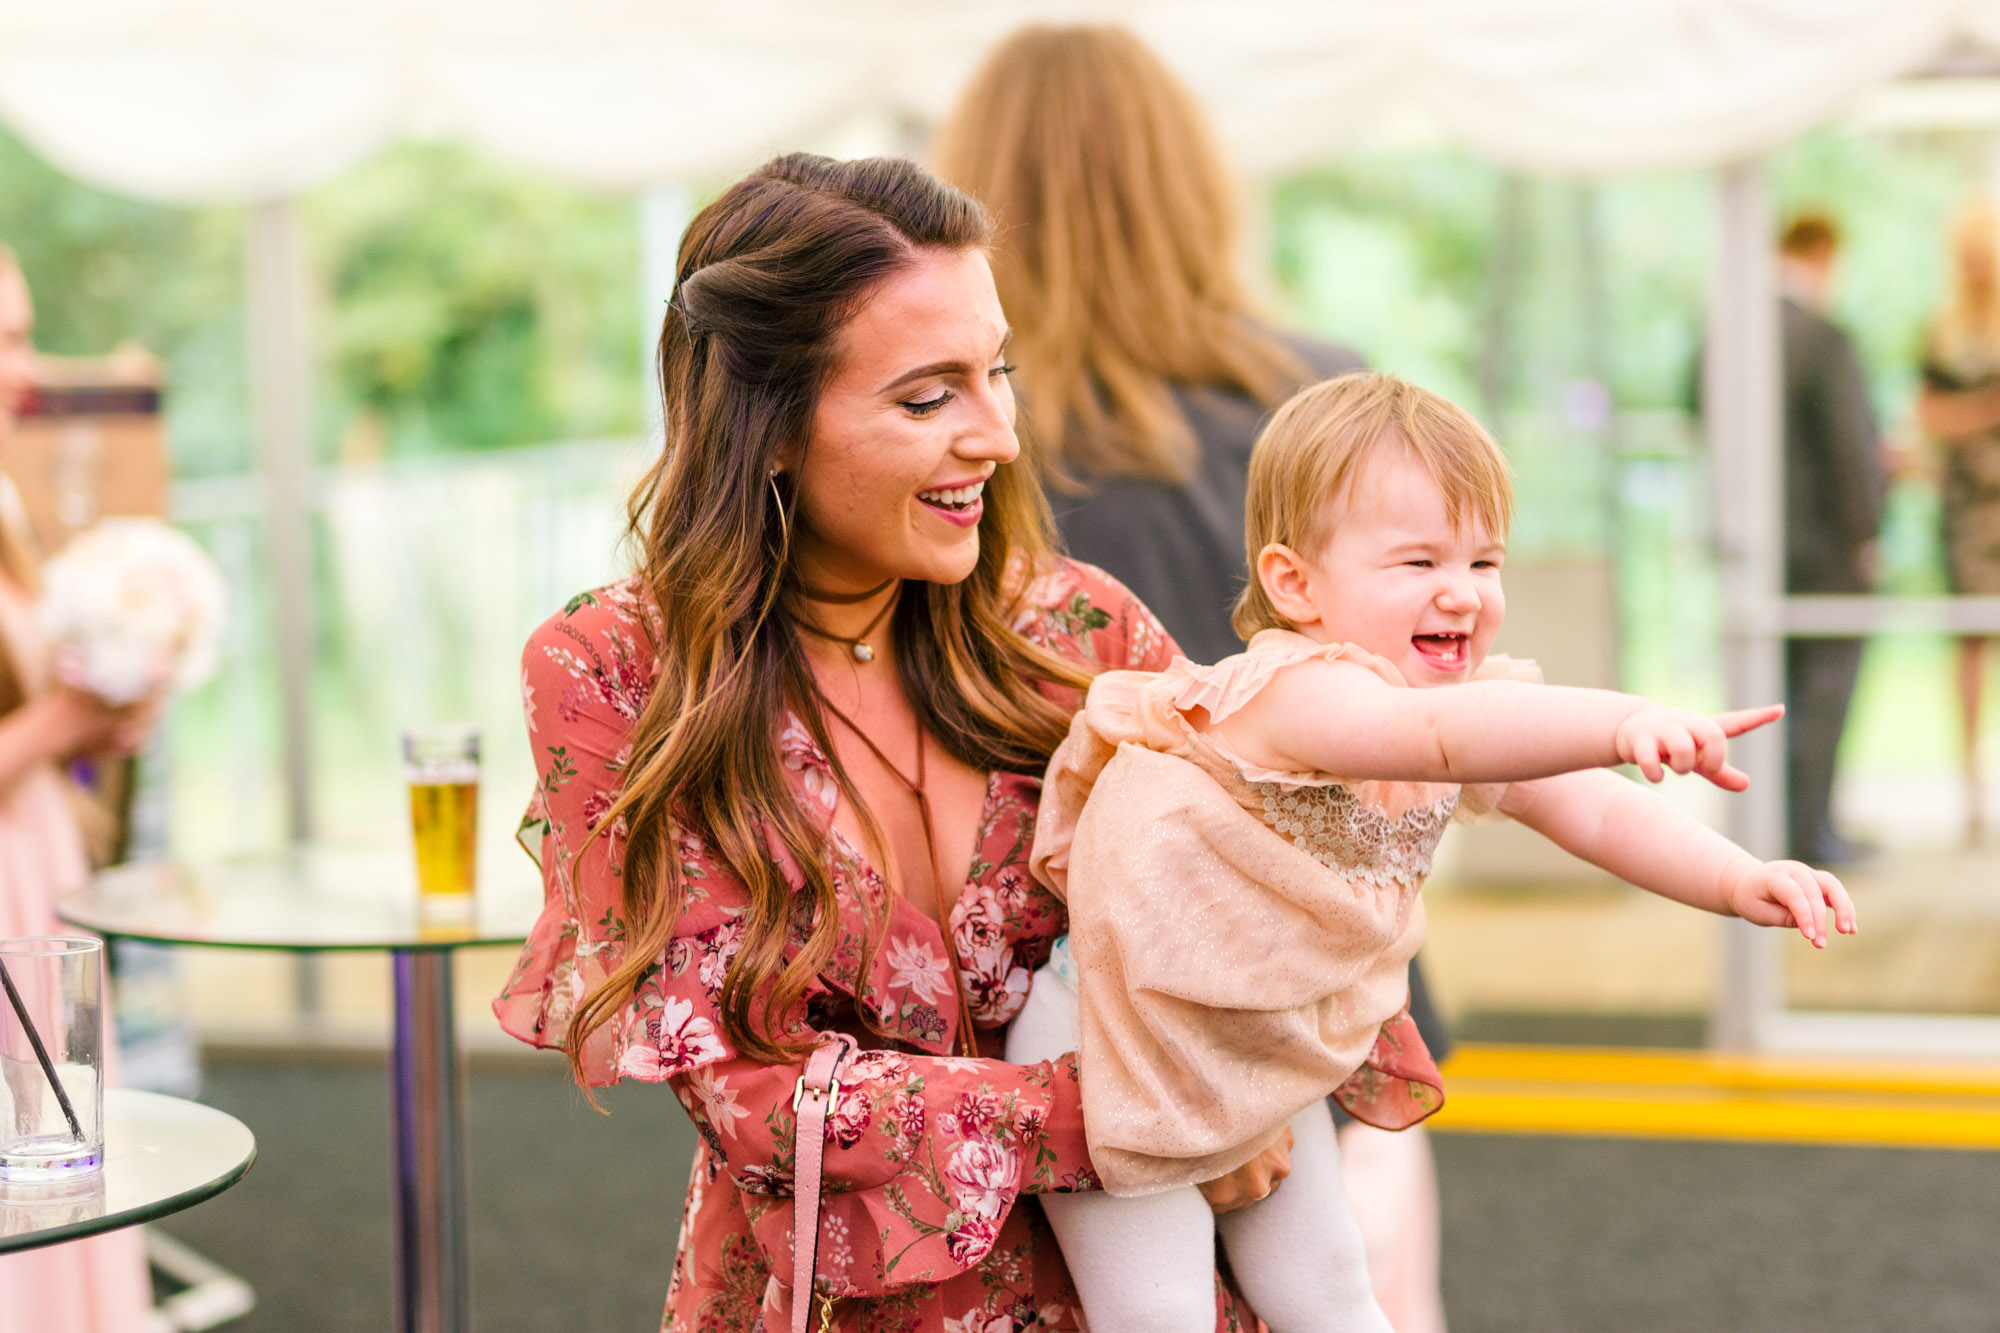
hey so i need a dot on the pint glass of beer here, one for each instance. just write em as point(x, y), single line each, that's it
point(442, 765)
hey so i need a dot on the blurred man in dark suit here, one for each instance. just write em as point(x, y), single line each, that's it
point(1833, 515)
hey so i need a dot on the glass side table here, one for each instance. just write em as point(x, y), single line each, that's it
point(316, 899)
point(161, 1154)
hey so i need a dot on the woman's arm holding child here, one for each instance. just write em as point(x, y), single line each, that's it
point(1644, 840)
point(1339, 717)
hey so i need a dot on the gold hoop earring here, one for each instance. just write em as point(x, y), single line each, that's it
point(784, 519)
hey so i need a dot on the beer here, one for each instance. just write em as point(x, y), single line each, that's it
point(442, 765)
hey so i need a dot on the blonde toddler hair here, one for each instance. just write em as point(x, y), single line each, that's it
point(1313, 452)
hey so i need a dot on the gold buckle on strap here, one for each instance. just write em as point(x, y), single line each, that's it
point(799, 1093)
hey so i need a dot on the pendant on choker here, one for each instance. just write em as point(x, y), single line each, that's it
point(857, 645)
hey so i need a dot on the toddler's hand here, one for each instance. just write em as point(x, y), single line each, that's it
point(1657, 739)
point(1783, 893)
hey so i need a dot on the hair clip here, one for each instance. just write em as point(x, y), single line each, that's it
point(675, 304)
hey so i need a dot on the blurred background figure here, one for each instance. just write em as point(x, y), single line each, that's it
point(1144, 369)
point(1145, 372)
point(98, 1285)
point(1959, 405)
point(1833, 517)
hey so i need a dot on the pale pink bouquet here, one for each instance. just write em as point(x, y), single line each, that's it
point(134, 607)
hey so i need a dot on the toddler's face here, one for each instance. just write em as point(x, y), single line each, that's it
point(1397, 579)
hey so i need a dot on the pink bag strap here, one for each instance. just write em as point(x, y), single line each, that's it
point(812, 1102)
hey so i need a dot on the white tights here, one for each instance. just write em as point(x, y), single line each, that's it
point(1147, 1264)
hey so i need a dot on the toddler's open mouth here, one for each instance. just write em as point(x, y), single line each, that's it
point(1446, 652)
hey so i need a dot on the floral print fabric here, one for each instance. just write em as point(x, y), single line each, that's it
point(928, 1153)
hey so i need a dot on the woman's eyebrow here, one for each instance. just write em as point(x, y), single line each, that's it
point(941, 368)
point(909, 377)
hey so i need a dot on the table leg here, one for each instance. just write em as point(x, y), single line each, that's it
point(427, 1123)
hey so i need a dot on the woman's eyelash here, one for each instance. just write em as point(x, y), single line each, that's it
point(923, 407)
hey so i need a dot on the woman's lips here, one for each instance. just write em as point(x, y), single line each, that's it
point(960, 504)
point(963, 518)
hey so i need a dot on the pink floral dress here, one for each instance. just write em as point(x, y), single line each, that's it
point(929, 1153)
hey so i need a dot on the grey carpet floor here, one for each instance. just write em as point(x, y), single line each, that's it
point(574, 1217)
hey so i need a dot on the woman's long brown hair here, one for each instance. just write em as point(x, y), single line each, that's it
point(768, 275)
point(1115, 251)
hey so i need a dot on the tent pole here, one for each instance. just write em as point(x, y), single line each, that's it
point(280, 395)
point(280, 378)
point(1743, 412)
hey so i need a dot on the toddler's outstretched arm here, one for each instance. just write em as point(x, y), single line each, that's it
point(1646, 841)
point(1339, 717)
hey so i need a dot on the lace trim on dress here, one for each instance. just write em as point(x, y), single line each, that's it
point(1335, 827)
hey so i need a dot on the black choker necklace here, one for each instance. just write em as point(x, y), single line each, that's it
point(841, 598)
point(856, 644)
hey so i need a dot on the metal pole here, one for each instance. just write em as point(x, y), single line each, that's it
point(426, 1125)
point(280, 399)
point(280, 394)
point(1742, 409)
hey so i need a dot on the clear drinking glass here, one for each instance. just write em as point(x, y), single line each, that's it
point(51, 1057)
point(442, 766)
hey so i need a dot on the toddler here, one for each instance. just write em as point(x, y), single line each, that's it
point(1241, 847)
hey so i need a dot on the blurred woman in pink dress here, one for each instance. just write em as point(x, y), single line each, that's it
point(98, 1285)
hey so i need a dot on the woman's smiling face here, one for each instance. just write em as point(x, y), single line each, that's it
point(913, 419)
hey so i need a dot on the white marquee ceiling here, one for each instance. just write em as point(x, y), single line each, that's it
point(204, 100)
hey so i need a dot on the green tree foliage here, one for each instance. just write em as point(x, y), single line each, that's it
point(459, 305)
point(108, 270)
point(1438, 265)
point(471, 307)
point(1387, 251)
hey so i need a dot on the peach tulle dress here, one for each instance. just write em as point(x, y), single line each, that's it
point(88, 1286)
point(1240, 936)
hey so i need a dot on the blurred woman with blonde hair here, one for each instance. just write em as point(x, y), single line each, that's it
point(1144, 367)
point(97, 1285)
point(1145, 372)
point(1959, 405)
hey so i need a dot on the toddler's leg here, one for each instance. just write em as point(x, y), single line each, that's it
point(1298, 1254)
point(1144, 1265)
point(1048, 1024)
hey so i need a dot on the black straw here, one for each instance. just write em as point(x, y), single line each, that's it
point(41, 1051)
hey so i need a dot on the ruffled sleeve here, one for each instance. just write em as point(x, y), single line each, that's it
point(1225, 688)
point(586, 675)
point(1086, 615)
point(1479, 802)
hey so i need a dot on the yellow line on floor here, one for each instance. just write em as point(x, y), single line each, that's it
point(1695, 1095)
point(1593, 1064)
